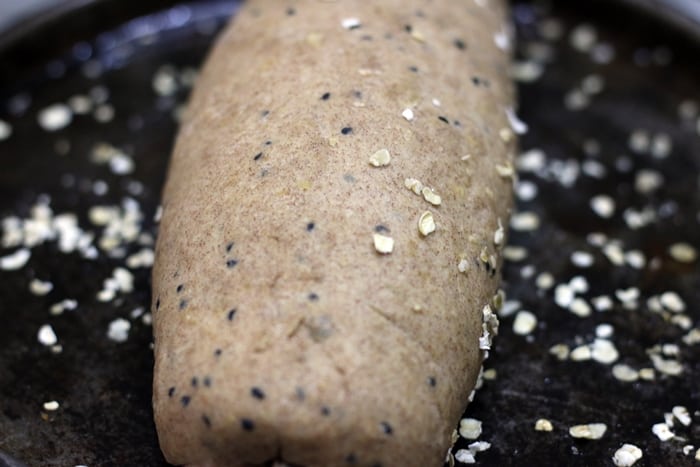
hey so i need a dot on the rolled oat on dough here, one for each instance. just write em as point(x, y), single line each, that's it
point(329, 239)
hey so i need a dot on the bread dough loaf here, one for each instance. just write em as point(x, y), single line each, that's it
point(330, 237)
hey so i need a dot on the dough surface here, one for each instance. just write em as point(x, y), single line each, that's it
point(282, 332)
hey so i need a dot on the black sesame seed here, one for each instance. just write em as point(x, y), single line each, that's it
point(476, 81)
point(408, 28)
point(357, 94)
point(351, 458)
point(179, 288)
point(386, 428)
point(457, 123)
point(185, 400)
point(414, 69)
point(459, 43)
point(195, 382)
point(443, 119)
point(325, 411)
point(171, 391)
point(231, 263)
point(247, 424)
point(379, 228)
point(183, 304)
point(157, 304)
point(325, 96)
point(206, 421)
point(346, 130)
point(229, 246)
point(291, 12)
point(264, 113)
point(217, 352)
point(207, 381)
point(313, 297)
point(257, 156)
point(310, 226)
point(432, 381)
point(231, 314)
point(257, 393)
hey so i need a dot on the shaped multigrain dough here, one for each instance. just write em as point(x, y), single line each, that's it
point(330, 235)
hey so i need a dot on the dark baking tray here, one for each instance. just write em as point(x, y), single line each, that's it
point(104, 387)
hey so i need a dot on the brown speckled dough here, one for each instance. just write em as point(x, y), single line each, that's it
point(280, 331)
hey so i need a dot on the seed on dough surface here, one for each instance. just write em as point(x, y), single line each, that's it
point(426, 223)
point(380, 158)
point(382, 243)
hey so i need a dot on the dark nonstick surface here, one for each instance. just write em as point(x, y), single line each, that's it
point(114, 52)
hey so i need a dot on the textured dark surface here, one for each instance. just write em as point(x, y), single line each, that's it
point(104, 387)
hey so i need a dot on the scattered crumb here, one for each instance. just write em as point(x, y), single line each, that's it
point(588, 431)
point(46, 335)
point(15, 260)
point(603, 205)
point(543, 424)
point(39, 287)
point(119, 330)
point(470, 428)
point(5, 130)
point(625, 373)
point(525, 221)
point(517, 125)
point(51, 406)
point(683, 252)
point(55, 117)
point(627, 455)
point(662, 431)
point(682, 415)
point(525, 322)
